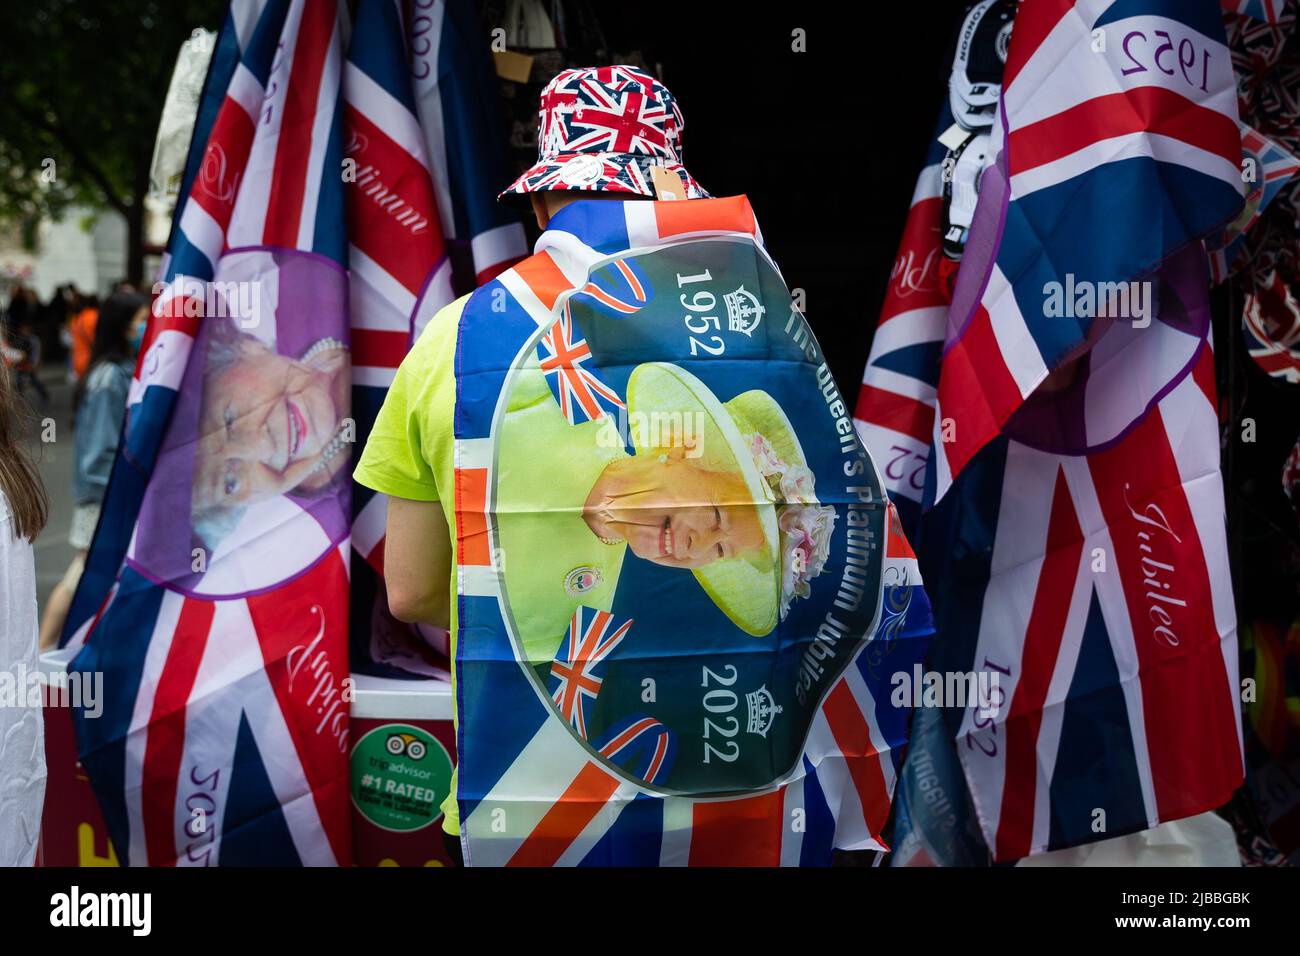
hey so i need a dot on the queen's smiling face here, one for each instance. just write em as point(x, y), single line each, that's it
point(264, 420)
point(674, 511)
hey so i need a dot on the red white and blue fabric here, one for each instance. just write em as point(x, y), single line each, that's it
point(1271, 325)
point(1269, 11)
point(895, 408)
point(602, 129)
point(1111, 159)
point(399, 270)
point(581, 393)
point(1273, 168)
point(455, 87)
point(568, 809)
point(1082, 543)
point(208, 751)
point(575, 685)
point(608, 285)
point(1102, 600)
point(648, 738)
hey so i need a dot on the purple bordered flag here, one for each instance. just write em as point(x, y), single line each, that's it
point(223, 737)
point(1077, 129)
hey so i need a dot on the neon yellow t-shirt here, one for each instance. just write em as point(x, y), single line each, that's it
point(409, 452)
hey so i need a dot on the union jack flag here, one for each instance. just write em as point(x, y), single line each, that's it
point(582, 394)
point(1078, 126)
point(1274, 167)
point(895, 407)
point(573, 810)
point(210, 706)
point(212, 747)
point(455, 99)
point(399, 269)
point(592, 636)
point(1119, 470)
point(643, 739)
point(615, 115)
point(639, 293)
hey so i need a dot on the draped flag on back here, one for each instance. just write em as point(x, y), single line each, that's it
point(619, 704)
point(1079, 526)
point(224, 732)
point(1119, 144)
point(455, 95)
point(400, 276)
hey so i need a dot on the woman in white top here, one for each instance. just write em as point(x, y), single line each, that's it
point(23, 509)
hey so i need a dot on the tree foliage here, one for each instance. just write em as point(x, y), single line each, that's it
point(82, 84)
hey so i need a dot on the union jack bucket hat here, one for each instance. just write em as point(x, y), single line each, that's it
point(602, 129)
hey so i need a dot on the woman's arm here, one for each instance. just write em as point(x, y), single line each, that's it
point(101, 417)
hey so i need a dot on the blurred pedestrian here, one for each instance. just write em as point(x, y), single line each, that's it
point(50, 320)
point(81, 329)
point(98, 407)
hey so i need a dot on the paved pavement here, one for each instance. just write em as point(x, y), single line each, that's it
point(53, 553)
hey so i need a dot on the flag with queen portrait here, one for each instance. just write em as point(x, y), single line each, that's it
point(677, 649)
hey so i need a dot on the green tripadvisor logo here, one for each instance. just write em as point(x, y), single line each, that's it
point(400, 776)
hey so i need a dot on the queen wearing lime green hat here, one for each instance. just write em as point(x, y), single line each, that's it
point(729, 497)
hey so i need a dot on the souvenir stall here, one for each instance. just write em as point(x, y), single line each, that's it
point(1081, 396)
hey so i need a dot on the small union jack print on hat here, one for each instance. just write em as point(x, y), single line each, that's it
point(602, 129)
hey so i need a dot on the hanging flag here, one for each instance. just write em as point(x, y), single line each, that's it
point(582, 394)
point(192, 250)
point(1118, 145)
point(894, 414)
point(400, 275)
point(1097, 588)
point(223, 649)
point(680, 682)
point(1081, 539)
point(460, 115)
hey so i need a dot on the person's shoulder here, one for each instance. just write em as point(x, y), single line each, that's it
point(439, 334)
point(115, 376)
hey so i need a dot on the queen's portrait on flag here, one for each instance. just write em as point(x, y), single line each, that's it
point(261, 436)
point(729, 498)
point(269, 424)
point(682, 554)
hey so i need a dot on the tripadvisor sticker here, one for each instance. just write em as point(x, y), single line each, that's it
point(400, 776)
